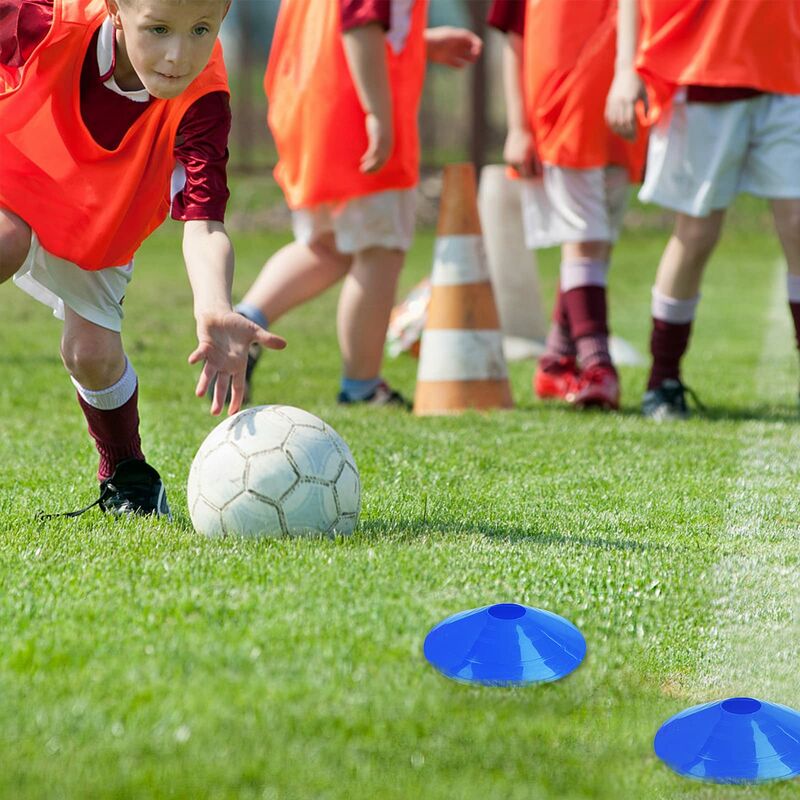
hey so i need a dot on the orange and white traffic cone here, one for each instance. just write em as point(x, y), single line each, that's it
point(461, 361)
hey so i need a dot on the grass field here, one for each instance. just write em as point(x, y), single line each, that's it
point(138, 660)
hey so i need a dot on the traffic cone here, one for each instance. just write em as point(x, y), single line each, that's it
point(461, 361)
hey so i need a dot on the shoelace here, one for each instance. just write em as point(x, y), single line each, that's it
point(691, 392)
point(107, 491)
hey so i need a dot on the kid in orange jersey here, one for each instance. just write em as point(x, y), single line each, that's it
point(558, 66)
point(344, 82)
point(102, 104)
point(723, 89)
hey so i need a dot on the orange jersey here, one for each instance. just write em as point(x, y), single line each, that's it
point(88, 205)
point(747, 43)
point(568, 65)
point(315, 114)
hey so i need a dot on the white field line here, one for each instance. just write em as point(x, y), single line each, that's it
point(754, 646)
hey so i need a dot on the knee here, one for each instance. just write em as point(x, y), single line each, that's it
point(699, 236)
point(91, 363)
point(325, 246)
point(15, 242)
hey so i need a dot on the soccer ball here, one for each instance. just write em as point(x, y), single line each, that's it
point(272, 471)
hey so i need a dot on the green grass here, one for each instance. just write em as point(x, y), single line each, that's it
point(138, 660)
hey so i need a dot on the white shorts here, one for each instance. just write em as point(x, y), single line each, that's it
point(703, 154)
point(95, 295)
point(384, 219)
point(574, 205)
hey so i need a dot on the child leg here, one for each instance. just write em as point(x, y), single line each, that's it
point(677, 291)
point(295, 274)
point(107, 389)
point(583, 278)
point(787, 222)
point(584, 272)
point(15, 242)
point(365, 304)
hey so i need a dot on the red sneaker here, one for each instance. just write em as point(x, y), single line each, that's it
point(596, 386)
point(558, 380)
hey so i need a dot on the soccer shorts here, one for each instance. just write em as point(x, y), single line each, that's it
point(574, 205)
point(384, 219)
point(95, 295)
point(701, 155)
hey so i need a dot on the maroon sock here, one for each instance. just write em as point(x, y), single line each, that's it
point(795, 309)
point(115, 433)
point(559, 344)
point(588, 322)
point(668, 343)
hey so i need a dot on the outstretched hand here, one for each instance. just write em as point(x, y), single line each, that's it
point(223, 340)
point(453, 47)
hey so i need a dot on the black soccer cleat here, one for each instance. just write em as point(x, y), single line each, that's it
point(668, 401)
point(134, 488)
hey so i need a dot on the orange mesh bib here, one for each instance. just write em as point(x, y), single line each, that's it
point(753, 43)
point(568, 64)
point(88, 205)
point(315, 115)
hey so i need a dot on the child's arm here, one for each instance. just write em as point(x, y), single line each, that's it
point(520, 148)
point(627, 87)
point(365, 48)
point(453, 47)
point(223, 336)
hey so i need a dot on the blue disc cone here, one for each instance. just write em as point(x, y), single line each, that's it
point(738, 740)
point(505, 645)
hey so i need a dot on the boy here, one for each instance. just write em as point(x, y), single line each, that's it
point(723, 83)
point(98, 100)
point(344, 84)
point(558, 66)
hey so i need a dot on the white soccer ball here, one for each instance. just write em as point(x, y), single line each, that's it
point(272, 471)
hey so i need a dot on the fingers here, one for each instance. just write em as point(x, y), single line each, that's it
point(200, 354)
point(269, 340)
point(621, 118)
point(371, 161)
point(237, 393)
point(220, 393)
point(203, 382)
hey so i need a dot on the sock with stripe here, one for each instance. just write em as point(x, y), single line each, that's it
point(669, 340)
point(112, 416)
point(559, 344)
point(583, 283)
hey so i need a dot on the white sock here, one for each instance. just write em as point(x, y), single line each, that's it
point(669, 309)
point(112, 397)
point(583, 272)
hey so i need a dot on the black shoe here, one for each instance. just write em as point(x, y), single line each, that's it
point(134, 488)
point(383, 395)
point(253, 354)
point(668, 401)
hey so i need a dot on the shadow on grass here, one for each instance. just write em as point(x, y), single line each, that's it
point(421, 526)
point(759, 413)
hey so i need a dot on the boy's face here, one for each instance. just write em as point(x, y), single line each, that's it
point(167, 42)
